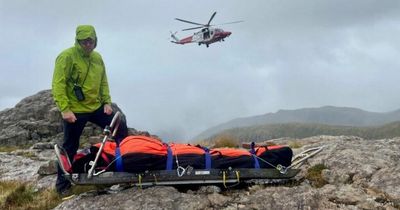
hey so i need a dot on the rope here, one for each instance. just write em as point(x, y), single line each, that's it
point(155, 179)
point(299, 159)
point(224, 179)
point(140, 181)
point(282, 169)
point(179, 169)
point(102, 171)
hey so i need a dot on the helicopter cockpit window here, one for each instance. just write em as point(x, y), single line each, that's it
point(206, 33)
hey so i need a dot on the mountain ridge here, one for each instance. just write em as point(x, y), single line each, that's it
point(328, 115)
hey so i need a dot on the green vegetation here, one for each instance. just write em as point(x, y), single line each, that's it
point(84, 142)
point(27, 154)
point(315, 177)
point(17, 195)
point(225, 140)
point(19, 151)
point(295, 144)
point(203, 142)
point(304, 130)
point(79, 189)
point(12, 148)
point(8, 148)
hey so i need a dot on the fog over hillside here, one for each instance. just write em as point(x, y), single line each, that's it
point(327, 115)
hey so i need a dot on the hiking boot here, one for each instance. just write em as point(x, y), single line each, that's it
point(65, 191)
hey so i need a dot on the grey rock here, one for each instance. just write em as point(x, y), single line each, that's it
point(43, 146)
point(360, 174)
point(209, 189)
point(18, 167)
point(357, 177)
point(37, 119)
point(48, 168)
point(387, 181)
point(30, 121)
point(45, 182)
point(136, 198)
point(218, 201)
point(335, 177)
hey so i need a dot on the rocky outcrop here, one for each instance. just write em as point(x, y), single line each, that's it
point(36, 119)
point(359, 174)
point(32, 120)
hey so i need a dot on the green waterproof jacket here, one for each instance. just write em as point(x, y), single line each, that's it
point(88, 71)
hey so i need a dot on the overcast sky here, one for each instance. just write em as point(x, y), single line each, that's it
point(285, 55)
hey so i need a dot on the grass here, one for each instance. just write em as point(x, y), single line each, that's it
point(79, 189)
point(19, 151)
point(295, 144)
point(18, 195)
point(203, 142)
point(8, 148)
point(225, 140)
point(27, 154)
point(315, 177)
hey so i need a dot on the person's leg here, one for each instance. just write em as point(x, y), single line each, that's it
point(101, 119)
point(72, 133)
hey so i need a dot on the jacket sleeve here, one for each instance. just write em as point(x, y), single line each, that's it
point(59, 86)
point(104, 89)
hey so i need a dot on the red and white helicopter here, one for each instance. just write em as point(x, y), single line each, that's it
point(207, 35)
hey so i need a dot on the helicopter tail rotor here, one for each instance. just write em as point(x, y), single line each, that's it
point(174, 37)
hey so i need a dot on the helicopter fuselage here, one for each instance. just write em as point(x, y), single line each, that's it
point(205, 36)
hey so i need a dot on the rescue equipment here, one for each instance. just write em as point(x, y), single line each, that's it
point(144, 161)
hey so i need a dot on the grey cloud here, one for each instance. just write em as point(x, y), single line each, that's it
point(285, 55)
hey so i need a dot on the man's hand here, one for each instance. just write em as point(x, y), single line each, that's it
point(68, 116)
point(107, 109)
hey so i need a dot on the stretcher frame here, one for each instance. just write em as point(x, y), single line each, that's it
point(189, 176)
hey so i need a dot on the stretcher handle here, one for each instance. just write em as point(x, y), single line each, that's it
point(107, 131)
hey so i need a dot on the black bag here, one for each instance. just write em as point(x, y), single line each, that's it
point(78, 92)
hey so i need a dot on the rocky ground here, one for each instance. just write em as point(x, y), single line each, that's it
point(360, 174)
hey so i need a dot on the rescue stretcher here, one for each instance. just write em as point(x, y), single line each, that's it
point(103, 166)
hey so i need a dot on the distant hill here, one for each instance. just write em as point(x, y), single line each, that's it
point(327, 115)
point(305, 130)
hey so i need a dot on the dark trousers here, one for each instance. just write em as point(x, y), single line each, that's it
point(72, 134)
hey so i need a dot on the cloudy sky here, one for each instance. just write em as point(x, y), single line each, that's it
point(285, 55)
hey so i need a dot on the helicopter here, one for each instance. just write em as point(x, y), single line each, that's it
point(207, 35)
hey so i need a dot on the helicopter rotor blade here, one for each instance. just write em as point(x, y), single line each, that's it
point(187, 29)
point(212, 17)
point(186, 21)
point(239, 21)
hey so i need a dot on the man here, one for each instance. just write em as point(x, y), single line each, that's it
point(80, 91)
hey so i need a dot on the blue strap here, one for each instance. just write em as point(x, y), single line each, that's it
point(119, 166)
point(253, 152)
point(169, 158)
point(207, 157)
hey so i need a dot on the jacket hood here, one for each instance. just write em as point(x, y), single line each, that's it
point(84, 32)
